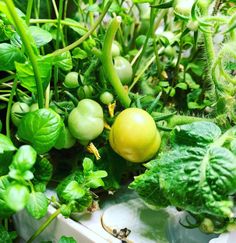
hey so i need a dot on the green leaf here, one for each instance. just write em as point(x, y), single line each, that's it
point(20, 175)
point(87, 165)
point(76, 26)
point(5, 211)
point(196, 134)
point(41, 129)
point(6, 144)
point(79, 53)
point(43, 171)
point(63, 61)
point(73, 191)
point(182, 86)
point(26, 75)
point(94, 182)
point(37, 205)
point(143, 1)
point(5, 236)
point(24, 158)
point(164, 84)
point(0, 125)
point(41, 37)
point(5, 161)
point(16, 196)
point(65, 239)
point(9, 54)
point(198, 174)
point(168, 4)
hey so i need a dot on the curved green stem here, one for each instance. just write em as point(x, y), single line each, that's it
point(21, 28)
point(149, 34)
point(59, 33)
point(13, 90)
point(107, 63)
point(44, 225)
point(55, 21)
point(28, 11)
point(84, 37)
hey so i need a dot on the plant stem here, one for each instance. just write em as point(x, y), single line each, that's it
point(54, 21)
point(13, 90)
point(6, 79)
point(28, 11)
point(59, 32)
point(44, 225)
point(107, 63)
point(149, 34)
point(84, 37)
point(21, 28)
point(91, 19)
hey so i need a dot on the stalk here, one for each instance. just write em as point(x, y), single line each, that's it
point(6, 79)
point(91, 18)
point(13, 90)
point(84, 37)
point(107, 63)
point(59, 32)
point(55, 21)
point(28, 11)
point(44, 225)
point(149, 34)
point(28, 48)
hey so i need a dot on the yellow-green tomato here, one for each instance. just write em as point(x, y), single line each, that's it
point(85, 122)
point(134, 135)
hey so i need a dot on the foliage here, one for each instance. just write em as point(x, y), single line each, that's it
point(69, 68)
point(197, 174)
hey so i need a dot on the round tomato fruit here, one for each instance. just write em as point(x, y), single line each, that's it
point(85, 121)
point(134, 135)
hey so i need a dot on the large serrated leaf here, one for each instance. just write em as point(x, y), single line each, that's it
point(198, 174)
point(41, 129)
point(37, 205)
point(9, 54)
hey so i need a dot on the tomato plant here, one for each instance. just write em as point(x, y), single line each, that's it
point(134, 135)
point(86, 86)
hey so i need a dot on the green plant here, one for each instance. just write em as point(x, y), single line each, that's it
point(72, 85)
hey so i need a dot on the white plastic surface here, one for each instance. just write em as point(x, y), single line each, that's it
point(123, 211)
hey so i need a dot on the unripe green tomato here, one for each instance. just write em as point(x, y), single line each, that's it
point(106, 98)
point(85, 91)
point(86, 122)
point(123, 69)
point(183, 7)
point(115, 49)
point(34, 107)
point(134, 135)
point(140, 41)
point(170, 52)
point(18, 110)
point(71, 80)
point(65, 139)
